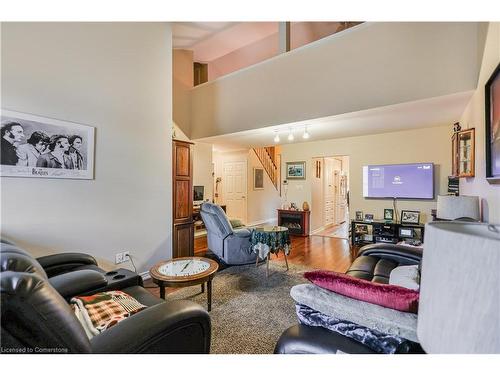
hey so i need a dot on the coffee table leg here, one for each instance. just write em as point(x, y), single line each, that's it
point(162, 291)
point(203, 287)
point(209, 294)
point(286, 260)
point(267, 264)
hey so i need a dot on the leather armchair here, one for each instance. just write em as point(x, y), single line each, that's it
point(35, 317)
point(57, 264)
point(230, 245)
point(374, 263)
point(73, 274)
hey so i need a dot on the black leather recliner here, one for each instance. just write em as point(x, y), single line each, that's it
point(36, 318)
point(374, 263)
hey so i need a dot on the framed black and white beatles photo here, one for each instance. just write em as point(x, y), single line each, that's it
point(35, 146)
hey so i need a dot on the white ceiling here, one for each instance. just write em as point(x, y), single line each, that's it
point(425, 113)
point(210, 40)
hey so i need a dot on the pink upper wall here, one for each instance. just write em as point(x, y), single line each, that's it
point(301, 33)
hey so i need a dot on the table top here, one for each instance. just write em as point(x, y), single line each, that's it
point(184, 269)
point(271, 229)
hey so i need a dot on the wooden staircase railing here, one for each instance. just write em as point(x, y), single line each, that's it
point(267, 158)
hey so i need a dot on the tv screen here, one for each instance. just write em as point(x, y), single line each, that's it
point(413, 181)
point(198, 193)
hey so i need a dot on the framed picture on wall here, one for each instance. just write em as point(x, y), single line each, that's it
point(35, 146)
point(492, 127)
point(258, 178)
point(296, 170)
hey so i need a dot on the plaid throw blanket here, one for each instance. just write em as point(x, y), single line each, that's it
point(103, 310)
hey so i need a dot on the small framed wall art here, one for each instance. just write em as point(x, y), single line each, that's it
point(258, 178)
point(296, 170)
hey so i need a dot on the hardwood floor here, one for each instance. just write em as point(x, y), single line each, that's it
point(316, 252)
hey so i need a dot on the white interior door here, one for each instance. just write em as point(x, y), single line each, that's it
point(235, 189)
point(329, 193)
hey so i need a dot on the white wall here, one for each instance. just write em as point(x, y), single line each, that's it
point(203, 167)
point(421, 145)
point(261, 204)
point(474, 117)
point(367, 66)
point(117, 78)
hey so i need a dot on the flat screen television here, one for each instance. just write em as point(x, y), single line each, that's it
point(410, 181)
point(198, 192)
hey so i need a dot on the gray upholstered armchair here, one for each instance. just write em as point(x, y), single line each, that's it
point(231, 245)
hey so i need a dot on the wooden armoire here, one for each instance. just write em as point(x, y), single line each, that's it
point(182, 176)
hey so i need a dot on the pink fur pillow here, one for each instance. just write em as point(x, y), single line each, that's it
point(392, 296)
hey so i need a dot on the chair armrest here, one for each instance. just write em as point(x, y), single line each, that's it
point(242, 232)
point(178, 327)
point(402, 254)
point(74, 283)
point(59, 263)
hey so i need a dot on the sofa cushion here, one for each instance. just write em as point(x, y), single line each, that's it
point(391, 296)
point(406, 276)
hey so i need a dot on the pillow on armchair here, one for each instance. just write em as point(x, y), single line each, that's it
point(236, 223)
point(391, 296)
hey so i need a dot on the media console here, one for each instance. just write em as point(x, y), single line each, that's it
point(366, 232)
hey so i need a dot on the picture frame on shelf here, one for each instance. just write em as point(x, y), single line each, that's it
point(388, 214)
point(492, 127)
point(368, 217)
point(410, 217)
point(296, 170)
point(359, 215)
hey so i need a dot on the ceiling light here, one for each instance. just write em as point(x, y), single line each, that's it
point(290, 136)
point(306, 134)
point(277, 138)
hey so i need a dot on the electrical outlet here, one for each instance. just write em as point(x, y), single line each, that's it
point(122, 257)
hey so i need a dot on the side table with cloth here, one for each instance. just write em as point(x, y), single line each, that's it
point(270, 239)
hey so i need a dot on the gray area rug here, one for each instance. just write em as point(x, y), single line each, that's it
point(249, 311)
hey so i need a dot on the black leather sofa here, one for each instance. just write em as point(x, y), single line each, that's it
point(36, 318)
point(374, 263)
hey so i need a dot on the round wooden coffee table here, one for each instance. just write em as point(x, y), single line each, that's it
point(182, 272)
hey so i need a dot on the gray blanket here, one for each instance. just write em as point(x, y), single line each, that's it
point(377, 341)
point(381, 319)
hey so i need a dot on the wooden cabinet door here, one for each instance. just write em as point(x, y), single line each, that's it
point(182, 195)
point(183, 240)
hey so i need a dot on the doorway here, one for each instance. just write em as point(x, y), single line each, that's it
point(330, 187)
point(235, 189)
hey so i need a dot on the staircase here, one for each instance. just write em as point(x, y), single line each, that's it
point(269, 160)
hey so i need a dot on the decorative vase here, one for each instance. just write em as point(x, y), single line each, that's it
point(305, 206)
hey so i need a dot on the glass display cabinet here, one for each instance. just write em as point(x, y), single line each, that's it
point(463, 153)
